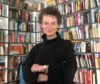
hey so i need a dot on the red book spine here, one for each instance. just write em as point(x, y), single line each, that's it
point(0, 9)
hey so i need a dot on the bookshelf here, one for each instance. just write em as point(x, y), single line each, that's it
point(19, 32)
point(22, 34)
point(3, 40)
point(82, 26)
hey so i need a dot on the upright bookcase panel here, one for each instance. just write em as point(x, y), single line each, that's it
point(4, 10)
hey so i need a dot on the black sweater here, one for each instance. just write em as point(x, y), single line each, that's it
point(58, 54)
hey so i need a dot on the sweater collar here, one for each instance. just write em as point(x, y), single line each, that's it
point(44, 37)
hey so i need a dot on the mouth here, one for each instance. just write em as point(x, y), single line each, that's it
point(49, 30)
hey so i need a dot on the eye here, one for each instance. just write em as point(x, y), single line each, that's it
point(45, 23)
point(53, 23)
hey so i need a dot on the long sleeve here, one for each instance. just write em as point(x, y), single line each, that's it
point(29, 77)
point(63, 72)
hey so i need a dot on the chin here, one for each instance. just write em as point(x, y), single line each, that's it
point(49, 34)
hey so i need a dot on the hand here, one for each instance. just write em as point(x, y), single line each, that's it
point(37, 68)
point(42, 78)
point(45, 68)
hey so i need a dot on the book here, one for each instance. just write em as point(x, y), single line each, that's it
point(13, 62)
point(50, 2)
point(2, 49)
point(12, 75)
point(0, 9)
point(61, 1)
point(16, 49)
point(2, 78)
point(2, 22)
point(85, 76)
point(97, 60)
point(33, 38)
point(98, 76)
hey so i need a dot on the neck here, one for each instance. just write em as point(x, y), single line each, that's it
point(51, 37)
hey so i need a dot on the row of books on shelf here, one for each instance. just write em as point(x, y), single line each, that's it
point(87, 76)
point(67, 8)
point(86, 46)
point(83, 18)
point(86, 32)
point(19, 37)
point(19, 25)
point(12, 70)
point(13, 61)
point(26, 5)
point(15, 49)
point(22, 26)
point(77, 5)
point(83, 32)
point(19, 48)
point(33, 7)
point(16, 3)
point(4, 10)
point(12, 76)
point(4, 1)
point(22, 37)
point(29, 6)
point(88, 61)
point(23, 14)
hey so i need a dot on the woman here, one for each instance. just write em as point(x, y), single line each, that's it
point(53, 60)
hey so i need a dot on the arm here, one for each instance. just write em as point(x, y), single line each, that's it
point(31, 70)
point(63, 72)
point(28, 75)
point(42, 69)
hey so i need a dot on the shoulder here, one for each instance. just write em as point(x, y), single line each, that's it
point(37, 46)
point(67, 42)
point(67, 45)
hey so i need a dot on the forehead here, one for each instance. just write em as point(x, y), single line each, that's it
point(49, 17)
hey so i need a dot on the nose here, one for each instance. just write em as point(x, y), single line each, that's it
point(49, 25)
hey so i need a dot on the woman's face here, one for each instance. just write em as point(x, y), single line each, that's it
point(49, 25)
